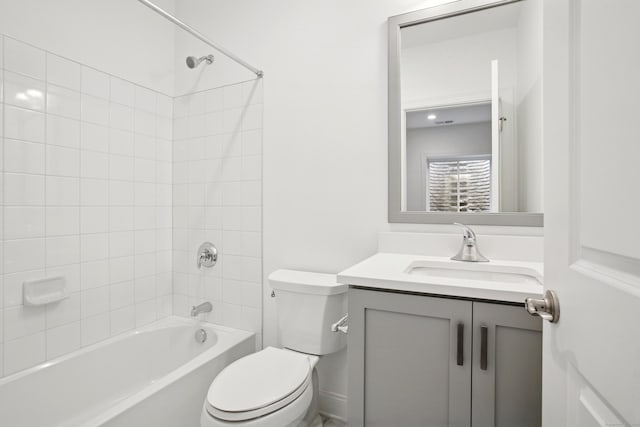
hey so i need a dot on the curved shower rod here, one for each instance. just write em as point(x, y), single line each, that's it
point(200, 36)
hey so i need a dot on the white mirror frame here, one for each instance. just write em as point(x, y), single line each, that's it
point(396, 122)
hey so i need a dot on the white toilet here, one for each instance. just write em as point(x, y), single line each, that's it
point(278, 387)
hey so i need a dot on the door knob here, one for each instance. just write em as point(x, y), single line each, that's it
point(548, 308)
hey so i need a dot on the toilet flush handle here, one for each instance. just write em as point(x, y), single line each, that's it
point(341, 325)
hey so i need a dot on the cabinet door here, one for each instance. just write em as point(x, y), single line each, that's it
point(404, 368)
point(507, 367)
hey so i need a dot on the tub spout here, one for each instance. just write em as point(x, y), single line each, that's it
point(205, 307)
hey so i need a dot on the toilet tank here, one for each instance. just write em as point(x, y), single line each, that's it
point(308, 304)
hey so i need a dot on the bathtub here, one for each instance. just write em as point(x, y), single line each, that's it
point(157, 375)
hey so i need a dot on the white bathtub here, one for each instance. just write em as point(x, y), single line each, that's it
point(155, 376)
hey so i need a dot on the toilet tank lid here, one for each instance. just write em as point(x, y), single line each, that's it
point(306, 282)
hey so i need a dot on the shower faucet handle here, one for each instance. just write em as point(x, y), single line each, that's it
point(207, 255)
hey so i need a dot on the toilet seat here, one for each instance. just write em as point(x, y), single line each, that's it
point(259, 384)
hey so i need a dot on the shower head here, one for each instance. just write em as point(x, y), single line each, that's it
point(193, 62)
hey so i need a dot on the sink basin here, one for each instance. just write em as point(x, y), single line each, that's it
point(480, 272)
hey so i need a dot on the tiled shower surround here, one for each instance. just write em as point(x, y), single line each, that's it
point(88, 194)
point(217, 175)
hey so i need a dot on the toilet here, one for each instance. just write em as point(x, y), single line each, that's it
point(278, 387)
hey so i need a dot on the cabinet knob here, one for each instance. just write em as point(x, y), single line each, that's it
point(548, 308)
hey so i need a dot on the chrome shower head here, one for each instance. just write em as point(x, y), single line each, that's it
point(193, 62)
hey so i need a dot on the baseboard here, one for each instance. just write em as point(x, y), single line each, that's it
point(333, 405)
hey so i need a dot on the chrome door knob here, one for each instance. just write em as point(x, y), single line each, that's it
point(548, 308)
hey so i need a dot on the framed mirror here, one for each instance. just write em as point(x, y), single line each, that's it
point(465, 114)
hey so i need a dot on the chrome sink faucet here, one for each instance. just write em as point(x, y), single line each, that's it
point(469, 251)
point(205, 307)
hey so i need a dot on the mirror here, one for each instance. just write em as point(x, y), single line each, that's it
point(465, 130)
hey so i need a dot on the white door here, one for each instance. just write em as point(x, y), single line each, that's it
point(591, 357)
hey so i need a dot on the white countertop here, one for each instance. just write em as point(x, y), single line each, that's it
point(390, 271)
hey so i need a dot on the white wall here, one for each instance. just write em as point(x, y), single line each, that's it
point(448, 141)
point(458, 68)
point(119, 37)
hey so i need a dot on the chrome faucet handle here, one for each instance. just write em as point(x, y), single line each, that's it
point(469, 251)
point(468, 232)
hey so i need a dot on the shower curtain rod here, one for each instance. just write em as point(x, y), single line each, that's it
point(198, 35)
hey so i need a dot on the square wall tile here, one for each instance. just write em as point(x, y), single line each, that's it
point(95, 110)
point(95, 83)
point(94, 301)
point(122, 320)
point(64, 312)
point(63, 339)
point(23, 124)
point(63, 131)
point(23, 222)
point(62, 191)
point(145, 99)
point(94, 137)
point(95, 247)
point(63, 102)
point(63, 72)
point(23, 255)
point(94, 329)
point(121, 117)
point(62, 251)
point(122, 92)
point(24, 353)
point(23, 157)
point(23, 320)
point(63, 221)
point(23, 190)
point(62, 161)
point(94, 274)
point(71, 274)
point(23, 91)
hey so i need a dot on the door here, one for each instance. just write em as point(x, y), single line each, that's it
point(409, 360)
point(496, 125)
point(507, 367)
point(591, 357)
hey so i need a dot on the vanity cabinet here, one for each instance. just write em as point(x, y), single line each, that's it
point(418, 360)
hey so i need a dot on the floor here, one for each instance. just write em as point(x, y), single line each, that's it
point(330, 422)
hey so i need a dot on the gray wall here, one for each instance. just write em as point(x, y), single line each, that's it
point(445, 141)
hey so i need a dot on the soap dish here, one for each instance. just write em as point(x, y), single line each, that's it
point(44, 291)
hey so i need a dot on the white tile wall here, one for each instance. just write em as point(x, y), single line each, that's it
point(114, 186)
point(217, 196)
point(86, 192)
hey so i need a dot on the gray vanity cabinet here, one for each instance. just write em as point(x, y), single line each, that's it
point(428, 361)
point(409, 360)
point(507, 369)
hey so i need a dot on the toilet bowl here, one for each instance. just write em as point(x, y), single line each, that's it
point(277, 387)
point(273, 387)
